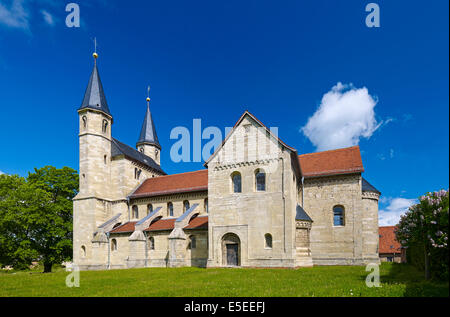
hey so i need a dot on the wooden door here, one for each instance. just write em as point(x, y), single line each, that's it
point(232, 254)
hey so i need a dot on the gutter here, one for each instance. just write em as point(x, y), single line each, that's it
point(109, 252)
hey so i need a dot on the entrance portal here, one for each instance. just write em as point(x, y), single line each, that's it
point(231, 249)
point(232, 254)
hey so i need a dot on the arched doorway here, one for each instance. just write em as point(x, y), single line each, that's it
point(231, 250)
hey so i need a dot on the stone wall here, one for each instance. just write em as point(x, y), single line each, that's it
point(352, 243)
point(252, 214)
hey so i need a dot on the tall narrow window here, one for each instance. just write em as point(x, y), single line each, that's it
point(338, 216)
point(151, 243)
point(206, 205)
point(149, 208)
point(83, 251)
point(135, 213)
point(260, 178)
point(113, 245)
point(84, 118)
point(236, 178)
point(104, 126)
point(104, 159)
point(268, 238)
point(170, 209)
point(186, 205)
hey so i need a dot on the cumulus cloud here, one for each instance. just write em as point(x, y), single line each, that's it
point(345, 115)
point(14, 15)
point(48, 18)
point(390, 216)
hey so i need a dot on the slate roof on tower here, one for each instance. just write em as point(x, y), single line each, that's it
point(367, 187)
point(148, 131)
point(94, 97)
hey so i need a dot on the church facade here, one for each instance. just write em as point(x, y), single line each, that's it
point(257, 202)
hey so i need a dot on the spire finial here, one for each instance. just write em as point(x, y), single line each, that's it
point(148, 94)
point(95, 50)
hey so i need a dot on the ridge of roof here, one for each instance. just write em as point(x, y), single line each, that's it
point(334, 150)
point(120, 148)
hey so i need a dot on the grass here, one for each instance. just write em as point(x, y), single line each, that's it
point(343, 281)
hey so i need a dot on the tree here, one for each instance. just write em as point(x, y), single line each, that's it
point(36, 217)
point(425, 226)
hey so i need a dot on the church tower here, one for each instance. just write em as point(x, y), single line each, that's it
point(148, 143)
point(92, 205)
point(95, 137)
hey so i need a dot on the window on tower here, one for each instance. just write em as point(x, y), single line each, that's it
point(104, 126)
point(84, 118)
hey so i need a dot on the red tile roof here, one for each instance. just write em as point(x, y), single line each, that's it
point(162, 224)
point(341, 161)
point(388, 243)
point(171, 184)
point(200, 222)
point(126, 227)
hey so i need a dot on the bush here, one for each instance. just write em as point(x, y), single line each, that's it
point(423, 230)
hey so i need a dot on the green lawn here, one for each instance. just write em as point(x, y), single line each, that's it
point(396, 280)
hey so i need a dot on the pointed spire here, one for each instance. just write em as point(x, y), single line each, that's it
point(94, 97)
point(148, 131)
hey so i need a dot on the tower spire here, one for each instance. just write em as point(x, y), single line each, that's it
point(94, 97)
point(148, 132)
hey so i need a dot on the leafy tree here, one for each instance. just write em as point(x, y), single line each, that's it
point(36, 217)
point(425, 225)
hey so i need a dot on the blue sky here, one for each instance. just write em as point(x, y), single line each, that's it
point(214, 59)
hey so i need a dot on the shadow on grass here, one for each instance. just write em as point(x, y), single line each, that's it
point(413, 279)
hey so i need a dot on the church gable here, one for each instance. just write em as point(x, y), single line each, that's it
point(248, 141)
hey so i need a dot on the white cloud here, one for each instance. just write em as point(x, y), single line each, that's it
point(48, 18)
point(345, 115)
point(1, 173)
point(14, 16)
point(390, 215)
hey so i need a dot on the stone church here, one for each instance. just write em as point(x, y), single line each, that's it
point(256, 203)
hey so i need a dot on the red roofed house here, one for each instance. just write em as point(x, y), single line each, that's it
point(257, 203)
point(390, 249)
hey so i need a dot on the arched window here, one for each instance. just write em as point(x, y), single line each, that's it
point(260, 179)
point(169, 209)
point(84, 118)
point(156, 154)
point(104, 126)
point(104, 159)
point(206, 205)
point(186, 205)
point(135, 212)
point(268, 239)
point(83, 251)
point(113, 245)
point(237, 184)
point(192, 242)
point(151, 243)
point(338, 216)
point(149, 208)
